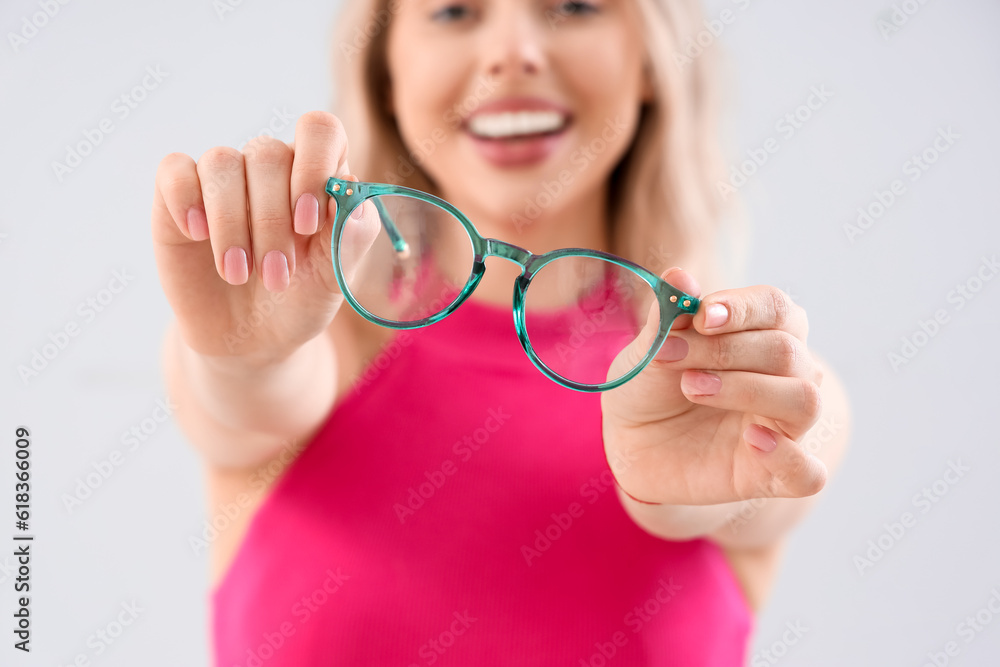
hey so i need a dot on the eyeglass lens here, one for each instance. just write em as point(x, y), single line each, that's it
point(580, 312)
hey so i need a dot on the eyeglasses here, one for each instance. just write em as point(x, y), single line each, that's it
point(405, 259)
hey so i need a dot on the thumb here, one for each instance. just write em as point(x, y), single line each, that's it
point(655, 393)
point(360, 232)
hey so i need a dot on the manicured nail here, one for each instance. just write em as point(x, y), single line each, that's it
point(674, 349)
point(700, 383)
point(197, 224)
point(306, 219)
point(275, 271)
point(760, 438)
point(716, 315)
point(234, 265)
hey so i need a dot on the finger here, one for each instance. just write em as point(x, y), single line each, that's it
point(223, 183)
point(178, 209)
point(757, 307)
point(269, 170)
point(772, 352)
point(683, 281)
point(361, 228)
point(654, 393)
point(185, 265)
point(320, 152)
point(788, 470)
point(793, 403)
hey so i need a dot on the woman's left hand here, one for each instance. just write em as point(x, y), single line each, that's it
point(721, 422)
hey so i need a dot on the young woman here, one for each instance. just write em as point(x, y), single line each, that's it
point(427, 496)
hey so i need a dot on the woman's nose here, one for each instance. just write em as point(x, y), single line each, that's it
point(513, 42)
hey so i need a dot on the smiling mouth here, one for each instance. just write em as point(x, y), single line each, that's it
point(517, 126)
point(516, 138)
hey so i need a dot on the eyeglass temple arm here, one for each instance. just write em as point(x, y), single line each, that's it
point(398, 242)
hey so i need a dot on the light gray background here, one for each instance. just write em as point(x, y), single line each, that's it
point(60, 243)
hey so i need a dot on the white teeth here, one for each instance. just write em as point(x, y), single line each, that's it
point(509, 124)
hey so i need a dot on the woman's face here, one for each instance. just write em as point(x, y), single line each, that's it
point(576, 68)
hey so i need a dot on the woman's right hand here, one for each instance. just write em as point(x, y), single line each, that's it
point(242, 241)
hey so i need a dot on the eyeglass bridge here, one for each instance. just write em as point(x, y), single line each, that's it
point(508, 251)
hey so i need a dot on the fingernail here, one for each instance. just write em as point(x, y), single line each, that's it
point(234, 265)
point(197, 224)
point(760, 438)
point(716, 315)
point(275, 271)
point(306, 218)
point(674, 349)
point(699, 383)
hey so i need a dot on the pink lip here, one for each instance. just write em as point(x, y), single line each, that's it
point(517, 152)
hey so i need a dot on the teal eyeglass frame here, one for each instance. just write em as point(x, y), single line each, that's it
point(349, 194)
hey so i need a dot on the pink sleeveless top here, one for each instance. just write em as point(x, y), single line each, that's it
point(457, 508)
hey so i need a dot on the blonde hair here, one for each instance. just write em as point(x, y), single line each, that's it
point(664, 202)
